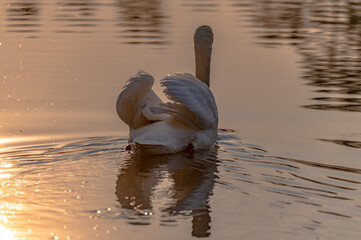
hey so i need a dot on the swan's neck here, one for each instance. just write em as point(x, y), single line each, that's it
point(203, 40)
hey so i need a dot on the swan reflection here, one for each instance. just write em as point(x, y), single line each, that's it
point(188, 178)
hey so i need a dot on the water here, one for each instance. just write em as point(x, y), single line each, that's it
point(286, 77)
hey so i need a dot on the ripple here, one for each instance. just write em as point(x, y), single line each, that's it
point(201, 5)
point(346, 143)
point(94, 182)
point(79, 14)
point(335, 214)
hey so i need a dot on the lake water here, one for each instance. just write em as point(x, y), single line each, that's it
point(286, 76)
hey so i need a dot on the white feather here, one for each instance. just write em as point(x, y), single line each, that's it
point(190, 118)
point(192, 94)
point(135, 99)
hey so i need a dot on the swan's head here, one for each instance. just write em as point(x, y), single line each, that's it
point(203, 40)
point(203, 37)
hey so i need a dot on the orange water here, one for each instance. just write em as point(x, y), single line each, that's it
point(286, 77)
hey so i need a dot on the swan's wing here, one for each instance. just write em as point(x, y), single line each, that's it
point(193, 102)
point(152, 100)
point(135, 99)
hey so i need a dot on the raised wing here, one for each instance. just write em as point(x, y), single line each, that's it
point(135, 99)
point(192, 101)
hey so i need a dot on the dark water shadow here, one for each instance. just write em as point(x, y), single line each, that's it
point(192, 175)
point(77, 16)
point(326, 34)
point(23, 17)
point(142, 22)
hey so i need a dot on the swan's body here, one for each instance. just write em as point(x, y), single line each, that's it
point(189, 119)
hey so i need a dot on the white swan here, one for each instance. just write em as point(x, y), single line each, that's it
point(190, 119)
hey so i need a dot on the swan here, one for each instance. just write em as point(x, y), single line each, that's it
point(188, 121)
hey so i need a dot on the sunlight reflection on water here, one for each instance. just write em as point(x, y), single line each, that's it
point(90, 188)
point(6, 234)
point(63, 63)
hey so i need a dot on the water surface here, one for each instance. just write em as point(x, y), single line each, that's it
point(286, 78)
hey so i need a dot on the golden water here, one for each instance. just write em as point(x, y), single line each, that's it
point(286, 77)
